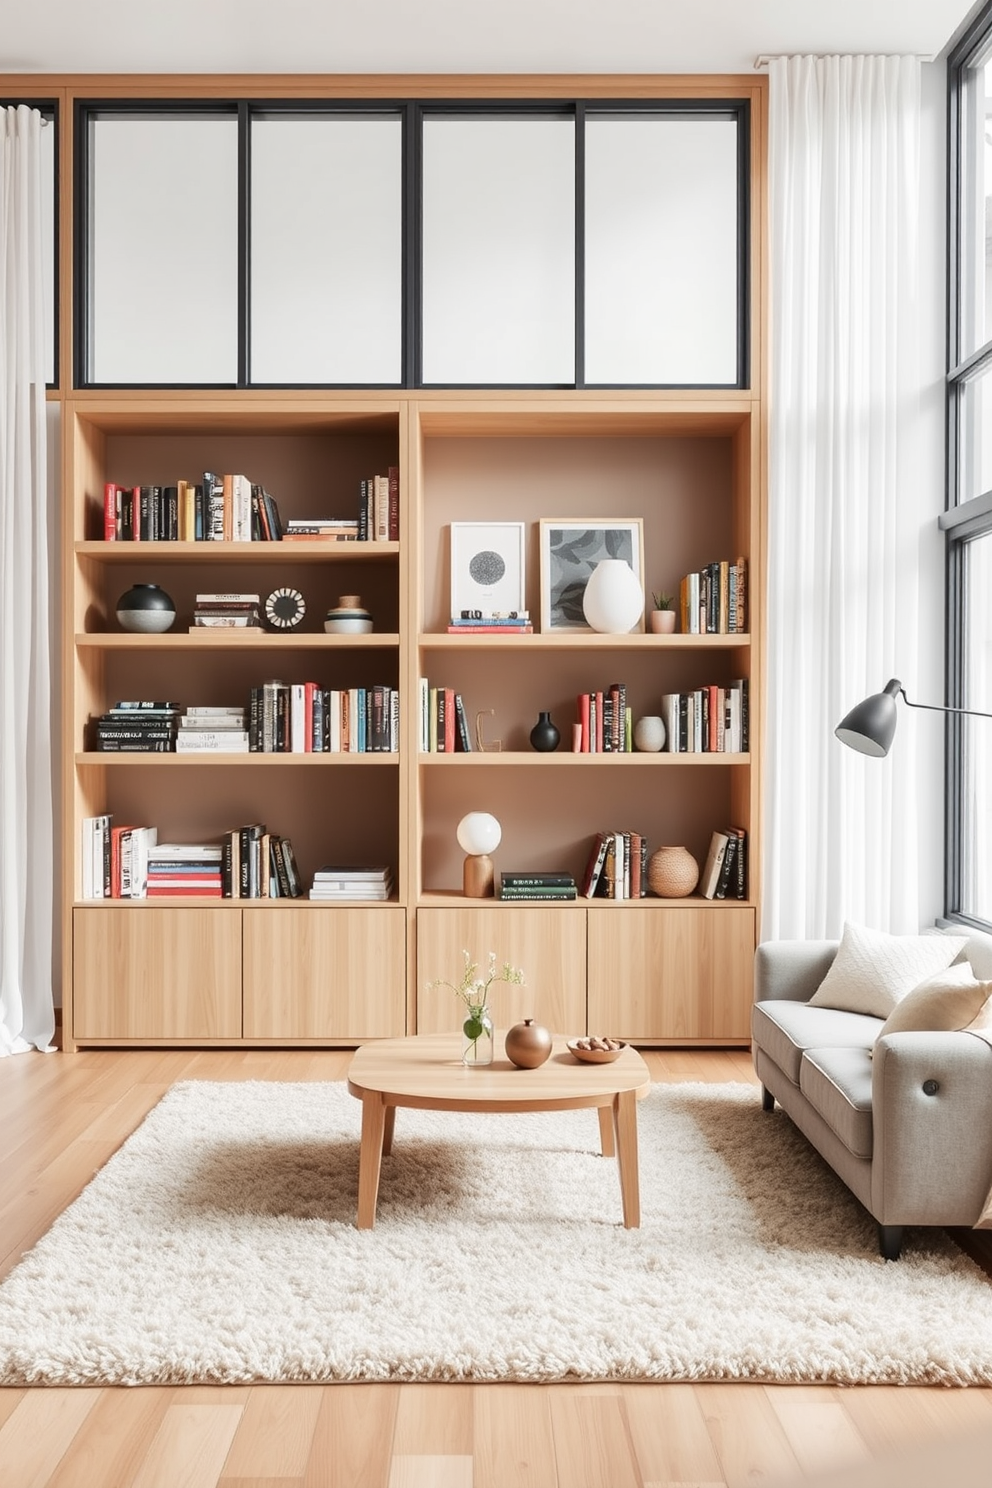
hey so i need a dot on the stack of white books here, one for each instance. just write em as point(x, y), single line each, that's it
point(333, 882)
point(212, 730)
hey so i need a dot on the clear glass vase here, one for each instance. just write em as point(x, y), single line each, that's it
point(477, 1036)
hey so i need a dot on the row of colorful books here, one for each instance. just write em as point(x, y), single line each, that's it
point(305, 718)
point(616, 867)
point(232, 508)
point(713, 599)
point(443, 721)
point(126, 861)
point(604, 721)
point(709, 720)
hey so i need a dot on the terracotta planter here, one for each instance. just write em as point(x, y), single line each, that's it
point(662, 622)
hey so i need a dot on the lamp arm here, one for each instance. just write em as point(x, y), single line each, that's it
point(941, 707)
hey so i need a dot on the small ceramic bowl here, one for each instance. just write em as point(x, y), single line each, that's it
point(348, 622)
point(594, 1056)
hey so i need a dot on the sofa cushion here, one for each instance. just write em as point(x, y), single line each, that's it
point(872, 970)
point(785, 1030)
point(943, 1003)
point(837, 1083)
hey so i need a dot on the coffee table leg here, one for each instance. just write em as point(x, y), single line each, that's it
point(625, 1120)
point(387, 1133)
point(370, 1156)
point(606, 1142)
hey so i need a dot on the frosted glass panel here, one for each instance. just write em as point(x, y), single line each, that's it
point(326, 250)
point(661, 250)
point(499, 251)
point(163, 249)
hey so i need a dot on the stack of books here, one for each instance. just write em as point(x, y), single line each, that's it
point(478, 622)
point(309, 529)
point(543, 886)
point(137, 725)
point(184, 868)
point(212, 730)
point(334, 882)
point(240, 611)
point(604, 721)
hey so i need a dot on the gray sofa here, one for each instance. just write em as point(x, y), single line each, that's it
point(908, 1127)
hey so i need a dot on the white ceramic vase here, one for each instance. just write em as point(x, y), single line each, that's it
point(649, 734)
point(613, 601)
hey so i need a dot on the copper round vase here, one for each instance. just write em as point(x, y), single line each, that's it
point(673, 872)
point(527, 1044)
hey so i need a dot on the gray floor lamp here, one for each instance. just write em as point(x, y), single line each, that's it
point(870, 725)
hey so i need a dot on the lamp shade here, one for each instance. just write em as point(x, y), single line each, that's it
point(478, 832)
point(871, 725)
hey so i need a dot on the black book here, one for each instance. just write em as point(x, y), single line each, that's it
point(728, 868)
point(530, 880)
point(292, 872)
point(463, 738)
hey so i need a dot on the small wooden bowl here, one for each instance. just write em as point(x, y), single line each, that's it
point(594, 1056)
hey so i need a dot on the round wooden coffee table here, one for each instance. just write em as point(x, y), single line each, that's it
point(426, 1072)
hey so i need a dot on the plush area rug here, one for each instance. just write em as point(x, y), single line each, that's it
point(219, 1244)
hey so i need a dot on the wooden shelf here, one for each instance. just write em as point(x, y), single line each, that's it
point(226, 552)
point(211, 760)
point(584, 641)
point(556, 758)
point(224, 638)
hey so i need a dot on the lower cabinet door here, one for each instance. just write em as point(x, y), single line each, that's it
point(324, 973)
point(677, 974)
point(147, 973)
point(548, 945)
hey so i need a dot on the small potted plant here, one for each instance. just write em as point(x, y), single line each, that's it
point(663, 614)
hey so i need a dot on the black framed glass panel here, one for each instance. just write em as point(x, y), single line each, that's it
point(326, 255)
point(162, 252)
point(975, 219)
point(975, 786)
point(661, 249)
point(498, 250)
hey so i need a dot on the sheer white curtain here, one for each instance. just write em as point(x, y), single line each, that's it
point(27, 866)
point(846, 495)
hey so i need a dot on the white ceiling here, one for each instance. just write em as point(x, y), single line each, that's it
point(485, 36)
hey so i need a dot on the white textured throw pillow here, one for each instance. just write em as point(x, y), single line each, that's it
point(943, 1003)
point(872, 970)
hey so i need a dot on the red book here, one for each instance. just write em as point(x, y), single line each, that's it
point(584, 721)
point(449, 720)
point(111, 512)
point(394, 503)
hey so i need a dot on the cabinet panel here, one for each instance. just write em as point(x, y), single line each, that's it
point(672, 973)
point(324, 973)
point(548, 944)
point(156, 973)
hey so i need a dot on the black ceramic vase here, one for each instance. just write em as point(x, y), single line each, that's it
point(544, 737)
point(146, 608)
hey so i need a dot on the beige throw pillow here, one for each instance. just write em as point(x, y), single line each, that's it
point(872, 971)
point(950, 1000)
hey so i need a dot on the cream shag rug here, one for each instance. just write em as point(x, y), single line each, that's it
point(219, 1245)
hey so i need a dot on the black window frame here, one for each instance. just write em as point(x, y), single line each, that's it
point(968, 517)
point(413, 113)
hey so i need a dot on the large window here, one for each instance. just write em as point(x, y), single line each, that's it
point(967, 521)
point(396, 243)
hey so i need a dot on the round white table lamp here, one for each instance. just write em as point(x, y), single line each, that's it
point(478, 835)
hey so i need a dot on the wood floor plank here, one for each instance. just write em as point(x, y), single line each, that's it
point(10, 1399)
point(431, 1472)
point(38, 1433)
point(190, 1447)
point(750, 1444)
point(514, 1438)
point(669, 1434)
point(889, 1416)
point(592, 1446)
point(353, 1442)
point(434, 1420)
point(818, 1427)
point(275, 1436)
point(114, 1440)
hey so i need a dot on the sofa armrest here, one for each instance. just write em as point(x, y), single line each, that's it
point(932, 1128)
point(791, 970)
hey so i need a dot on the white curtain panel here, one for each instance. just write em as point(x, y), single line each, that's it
point(27, 867)
point(846, 497)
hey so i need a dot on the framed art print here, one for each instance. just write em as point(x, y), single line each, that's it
point(570, 550)
point(487, 567)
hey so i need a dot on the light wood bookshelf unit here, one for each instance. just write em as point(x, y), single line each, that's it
point(689, 463)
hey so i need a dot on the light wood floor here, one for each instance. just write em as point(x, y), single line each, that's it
point(61, 1116)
